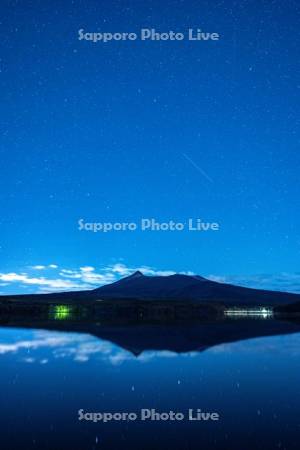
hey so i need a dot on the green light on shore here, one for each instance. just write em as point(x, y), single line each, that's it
point(62, 312)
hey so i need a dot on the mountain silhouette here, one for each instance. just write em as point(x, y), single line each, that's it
point(190, 287)
point(178, 312)
point(176, 337)
point(172, 288)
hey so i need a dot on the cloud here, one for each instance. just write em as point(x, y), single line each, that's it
point(89, 276)
point(53, 284)
point(123, 270)
point(57, 278)
point(284, 281)
point(42, 267)
point(43, 346)
point(79, 347)
point(66, 273)
point(120, 269)
point(87, 269)
point(66, 279)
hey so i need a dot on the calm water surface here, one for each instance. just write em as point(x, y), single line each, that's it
point(47, 376)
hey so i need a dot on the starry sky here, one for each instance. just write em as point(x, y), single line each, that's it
point(168, 130)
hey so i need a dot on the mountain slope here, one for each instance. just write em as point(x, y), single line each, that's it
point(167, 288)
point(186, 287)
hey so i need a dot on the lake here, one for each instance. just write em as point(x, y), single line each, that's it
point(252, 384)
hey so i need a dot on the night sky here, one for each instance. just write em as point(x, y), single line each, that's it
point(171, 130)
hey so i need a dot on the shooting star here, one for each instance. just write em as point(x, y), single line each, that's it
point(203, 173)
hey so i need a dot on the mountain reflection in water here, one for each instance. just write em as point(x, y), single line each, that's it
point(52, 368)
point(137, 337)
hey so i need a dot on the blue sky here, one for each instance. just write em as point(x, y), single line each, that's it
point(121, 131)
